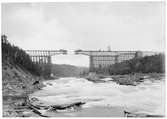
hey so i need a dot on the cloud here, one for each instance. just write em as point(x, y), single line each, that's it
point(71, 26)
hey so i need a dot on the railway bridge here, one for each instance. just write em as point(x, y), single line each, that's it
point(43, 58)
point(101, 59)
point(98, 59)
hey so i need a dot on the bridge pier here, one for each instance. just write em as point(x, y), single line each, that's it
point(98, 62)
point(116, 59)
point(91, 64)
point(103, 59)
point(43, 58)
point(49, 64)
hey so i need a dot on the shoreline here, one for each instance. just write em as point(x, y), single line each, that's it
point(91, 112)
point(15, 104)
point(22, 110)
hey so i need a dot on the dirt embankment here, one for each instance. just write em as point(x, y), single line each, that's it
point(17, 83)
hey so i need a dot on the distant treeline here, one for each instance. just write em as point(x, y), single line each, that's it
point(147, 64)
point(17, 56)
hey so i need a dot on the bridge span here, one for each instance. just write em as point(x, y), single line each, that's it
point(101, 59)
point(98, 59)
point(43, 58)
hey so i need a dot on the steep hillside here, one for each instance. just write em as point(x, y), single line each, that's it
point(17, 84)
point(17, 56)
point(16, 80)
point(65, 70)
point(18, 71)
point(20, 77)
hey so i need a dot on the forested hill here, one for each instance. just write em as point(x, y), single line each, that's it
point(147, 64)
point(16, 56)
point(64, 70)
point(18, 71)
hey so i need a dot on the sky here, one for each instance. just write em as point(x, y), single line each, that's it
point(85, 25)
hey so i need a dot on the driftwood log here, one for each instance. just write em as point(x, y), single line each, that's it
point(67, 106)
point(36, 108)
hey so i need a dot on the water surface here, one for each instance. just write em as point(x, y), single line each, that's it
point(148, 97)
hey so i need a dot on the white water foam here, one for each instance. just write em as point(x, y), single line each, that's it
point(148, 97)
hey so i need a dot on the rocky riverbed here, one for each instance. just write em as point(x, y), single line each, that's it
point(107, 98)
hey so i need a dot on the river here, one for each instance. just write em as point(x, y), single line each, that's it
point(103, 99)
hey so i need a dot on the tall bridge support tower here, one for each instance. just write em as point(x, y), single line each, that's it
point(43, 59)
point(101, 59)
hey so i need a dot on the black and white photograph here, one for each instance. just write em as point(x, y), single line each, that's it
point(83, 59)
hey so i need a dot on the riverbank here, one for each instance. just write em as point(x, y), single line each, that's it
point(60, 97)
point(129, 79)
point(17, 84)
point(91, 112)
point(101, 112)
point(65, 94)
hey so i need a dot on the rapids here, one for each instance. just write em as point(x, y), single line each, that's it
point(148, 97)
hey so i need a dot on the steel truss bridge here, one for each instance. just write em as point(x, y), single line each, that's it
point(98, 59)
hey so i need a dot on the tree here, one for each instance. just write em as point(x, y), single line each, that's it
point(17, 56)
